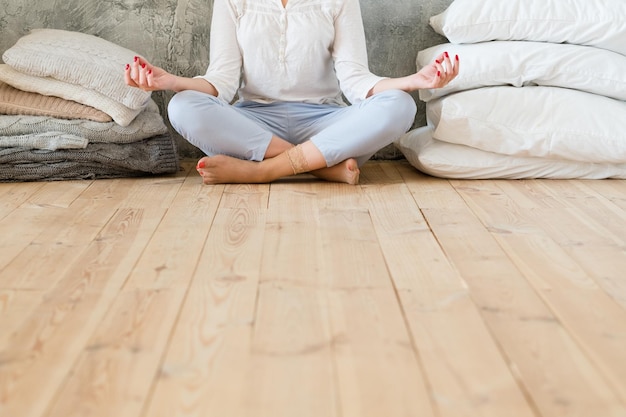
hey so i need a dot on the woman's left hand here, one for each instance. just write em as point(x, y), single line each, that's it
point(436, 75)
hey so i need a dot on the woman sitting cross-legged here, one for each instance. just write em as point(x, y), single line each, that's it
point(290, 63)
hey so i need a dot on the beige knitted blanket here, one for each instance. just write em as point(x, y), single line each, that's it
point(18, 102)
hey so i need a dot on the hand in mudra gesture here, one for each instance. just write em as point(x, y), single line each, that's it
point(141, 74)
point(438, 74)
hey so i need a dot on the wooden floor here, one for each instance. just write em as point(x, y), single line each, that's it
point(404, 296)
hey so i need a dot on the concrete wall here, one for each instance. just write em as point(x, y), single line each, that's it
point(174, 34)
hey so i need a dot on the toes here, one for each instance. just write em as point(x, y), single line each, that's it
point(202, 163)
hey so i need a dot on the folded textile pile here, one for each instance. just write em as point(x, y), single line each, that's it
point(541, 92)
point(66, 113)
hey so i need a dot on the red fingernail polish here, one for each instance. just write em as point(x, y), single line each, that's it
point(143, 65)
point(447, 56)
point(136, 58)
point(438, 73)
point(127, 66)
point(149, 72)
point(437, 61)
point(456, 57)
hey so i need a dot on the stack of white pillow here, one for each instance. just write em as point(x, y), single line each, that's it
point(541, 92)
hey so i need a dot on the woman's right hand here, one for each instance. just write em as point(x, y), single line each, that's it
point(141, 74)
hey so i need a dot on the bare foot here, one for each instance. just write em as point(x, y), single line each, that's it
point(346, 171)
point(222, 169)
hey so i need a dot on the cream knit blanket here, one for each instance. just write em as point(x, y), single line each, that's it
point(48, 86)
point(79, 59)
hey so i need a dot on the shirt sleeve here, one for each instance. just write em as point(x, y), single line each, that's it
point(225, 60)
point(350, 53)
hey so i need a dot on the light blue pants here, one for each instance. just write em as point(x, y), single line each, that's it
point(244, 130)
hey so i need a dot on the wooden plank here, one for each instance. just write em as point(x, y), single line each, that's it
point(290, 366)
point(170, 262)
point(155, 191)
point(291, 369)
point(467, 374)
point(590, 230)
point(352, 257)
point(526, 194)
point(15, 308)
point(97, 251)
point(57, 194)
point(19, 229)
point(607, 216)
point(292, 237)
point(376, 367)
point(377, 370)
point(591, 317)
point(558, 377)
point(206, 367)
point(116, 369)
point(53, 238)
point(313, 299)
point(39, 355)
point(12, 195)
point(613, 190)
point(430, 192)
point(115, 372)
point(592, 249)
point(61, 241)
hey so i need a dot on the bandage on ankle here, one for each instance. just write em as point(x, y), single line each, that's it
point(298, 162)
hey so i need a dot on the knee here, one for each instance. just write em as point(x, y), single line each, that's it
point(185, 105)
point(178, 107)
point(399, 106)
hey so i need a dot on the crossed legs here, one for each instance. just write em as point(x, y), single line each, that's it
point(282, 159)
point(241, 148)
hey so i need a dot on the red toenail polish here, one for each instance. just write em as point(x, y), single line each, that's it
point(201, 164)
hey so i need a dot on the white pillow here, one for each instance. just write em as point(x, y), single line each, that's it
point(448, 160)
point(77, 58)
point(600, 23)
point(548, 122)
point(121, 114)
point(519, 64)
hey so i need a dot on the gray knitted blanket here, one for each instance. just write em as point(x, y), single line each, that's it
point(47, 140)
point(147, 124)
point(156, 155)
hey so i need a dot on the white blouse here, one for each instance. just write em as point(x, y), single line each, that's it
point(310, 51)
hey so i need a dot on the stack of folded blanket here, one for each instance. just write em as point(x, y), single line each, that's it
point(541, 92)
point(66, 113)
